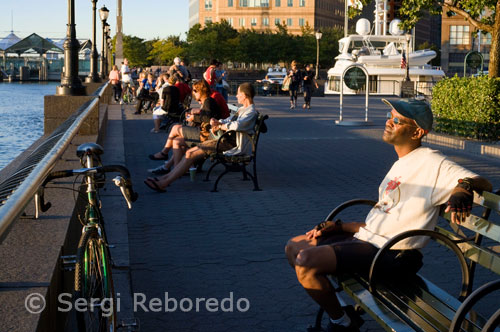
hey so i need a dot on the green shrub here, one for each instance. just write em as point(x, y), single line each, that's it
point(467, 107)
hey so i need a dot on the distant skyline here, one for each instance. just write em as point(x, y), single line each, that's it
point(147, 20)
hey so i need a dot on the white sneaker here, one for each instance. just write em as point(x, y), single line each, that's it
point(121, 102)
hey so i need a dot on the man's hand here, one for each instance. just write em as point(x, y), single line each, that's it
point(313, 234)
point(460, 205)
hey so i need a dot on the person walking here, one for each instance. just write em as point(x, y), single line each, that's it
point(308, 83)
point(295, 80)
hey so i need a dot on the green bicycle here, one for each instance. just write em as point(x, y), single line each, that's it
point(93, 285)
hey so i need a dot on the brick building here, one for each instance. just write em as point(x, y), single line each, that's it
point(266, 14)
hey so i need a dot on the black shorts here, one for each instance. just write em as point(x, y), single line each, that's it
point(354, 255)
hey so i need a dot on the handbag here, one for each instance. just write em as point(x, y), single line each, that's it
point(225, 85)
point(286, 83)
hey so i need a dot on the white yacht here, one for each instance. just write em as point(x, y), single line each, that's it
point(381, 55)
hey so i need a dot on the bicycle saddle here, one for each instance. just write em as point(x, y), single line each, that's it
point(89, 148)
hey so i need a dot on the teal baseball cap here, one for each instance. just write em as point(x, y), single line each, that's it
point(418, 110)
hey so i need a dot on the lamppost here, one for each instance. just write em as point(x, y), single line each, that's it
point(318, 35)
point(93, 75)
point(103, 13)
point(70, 82)
point(106, 52)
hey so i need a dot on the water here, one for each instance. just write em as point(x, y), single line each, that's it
point(21, 116)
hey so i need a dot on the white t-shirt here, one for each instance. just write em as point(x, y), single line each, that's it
point(125, 77)
point(409, 197)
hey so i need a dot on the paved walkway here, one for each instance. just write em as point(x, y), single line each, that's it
point(193, 244)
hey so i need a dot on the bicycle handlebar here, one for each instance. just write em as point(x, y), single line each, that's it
point(122, 181)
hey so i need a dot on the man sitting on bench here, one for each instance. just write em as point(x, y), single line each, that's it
point(409, 198)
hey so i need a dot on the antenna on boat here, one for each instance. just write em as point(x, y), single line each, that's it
point(12, 21)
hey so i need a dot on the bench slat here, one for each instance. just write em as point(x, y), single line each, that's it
point(479, 225)
point(480, 255)
point(377, 310)
point(490, 200)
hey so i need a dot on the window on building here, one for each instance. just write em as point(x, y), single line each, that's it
point(290, 3)
point(289, 22)
point(265, 21)
point(456, 57)
point(302, 3)
point(485, 38)
point(242, 22)
point(253, 22)
point(277, 3)
point(208, 4)
point(277, 21)
point(230, 21)
point(459, 35)
point(254, 3)
point(301, 22)
point(208, 20)
point(230, 3)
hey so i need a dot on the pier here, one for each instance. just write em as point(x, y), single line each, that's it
point(190, 243)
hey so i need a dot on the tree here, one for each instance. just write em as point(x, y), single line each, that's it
point(482, 14)
point(214, 41)
point(164, 51)
point(135, 50)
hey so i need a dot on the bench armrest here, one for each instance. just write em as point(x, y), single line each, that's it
point(233, 132)
point(470, 302)
point(421, 232)
point(348, 204)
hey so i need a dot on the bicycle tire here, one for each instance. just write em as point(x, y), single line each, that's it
point(94, 283)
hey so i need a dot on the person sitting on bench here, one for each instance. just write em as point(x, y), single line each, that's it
point(243, 121)
point(419, 182)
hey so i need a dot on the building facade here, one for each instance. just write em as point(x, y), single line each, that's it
point(262, 15)
point(457, 39)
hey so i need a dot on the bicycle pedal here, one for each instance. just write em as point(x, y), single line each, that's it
point(129, 325)
point(68, 262)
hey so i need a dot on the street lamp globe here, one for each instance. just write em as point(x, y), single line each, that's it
point(104, 13)
point(318, 34)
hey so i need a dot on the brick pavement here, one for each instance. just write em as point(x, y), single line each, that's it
point(192, 243)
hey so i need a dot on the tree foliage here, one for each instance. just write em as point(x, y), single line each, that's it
point(164, 51)
point(135, 50)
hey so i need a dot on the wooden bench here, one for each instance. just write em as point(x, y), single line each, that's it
point(240, 162)
point(414, 303)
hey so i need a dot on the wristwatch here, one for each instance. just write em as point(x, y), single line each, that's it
point(466, 184)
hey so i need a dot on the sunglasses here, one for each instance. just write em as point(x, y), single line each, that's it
point(195, 90)
point(397, 120)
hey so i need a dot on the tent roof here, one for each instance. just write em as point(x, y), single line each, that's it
point(38, 44)
point(8, 41)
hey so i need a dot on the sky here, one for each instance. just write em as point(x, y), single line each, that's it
point(48, 18)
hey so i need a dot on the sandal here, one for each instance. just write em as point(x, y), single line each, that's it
point(164, 156)
point(153, 185)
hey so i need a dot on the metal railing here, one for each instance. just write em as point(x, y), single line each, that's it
point(18, 190)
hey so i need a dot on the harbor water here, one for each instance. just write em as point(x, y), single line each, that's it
point(21, 116)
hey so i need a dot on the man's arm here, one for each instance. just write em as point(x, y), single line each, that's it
point(328, 227)
point(460, 202)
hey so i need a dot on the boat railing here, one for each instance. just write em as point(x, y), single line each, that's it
point(383, 87)
point(18, 190)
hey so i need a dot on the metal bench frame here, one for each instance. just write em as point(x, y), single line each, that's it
point(240, 162)
point(416, 304)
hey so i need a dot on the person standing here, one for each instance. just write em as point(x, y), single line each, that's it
point(308, 84)
point(221, 75)
point(209, 74)
point(114, 79)
point(127, 81)
point(295, 80)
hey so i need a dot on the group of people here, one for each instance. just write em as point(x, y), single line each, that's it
point(301, 78)
point(121, 80)
point(198, 138)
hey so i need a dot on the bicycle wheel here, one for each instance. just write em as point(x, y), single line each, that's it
point(94, 285)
